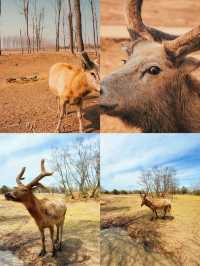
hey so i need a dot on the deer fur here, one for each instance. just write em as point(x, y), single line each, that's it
point(155, 90)
point(46, 213)
point(71, 84)
point(156, 204)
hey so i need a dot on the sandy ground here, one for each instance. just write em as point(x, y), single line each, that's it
point(20, 238)
point(174, 16)
point(31, 107)
point(130, 237)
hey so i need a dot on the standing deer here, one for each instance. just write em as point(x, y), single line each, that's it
point(46, 213)
point(156, 204)
point(155, 90)
point(71, 84)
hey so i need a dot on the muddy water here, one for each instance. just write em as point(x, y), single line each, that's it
point(118, 248)
point(8, 259)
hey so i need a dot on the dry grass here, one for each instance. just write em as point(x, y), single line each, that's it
point(130, 235)
point(20, 235)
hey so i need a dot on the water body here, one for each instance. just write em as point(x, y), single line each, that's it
point(7, 258)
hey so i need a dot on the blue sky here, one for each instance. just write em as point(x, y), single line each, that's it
point(18, 150)
point(124, 156)
point(12, 19)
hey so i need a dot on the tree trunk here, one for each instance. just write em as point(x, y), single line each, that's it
point(94, 26)
point(70, 22)
point(77, 13)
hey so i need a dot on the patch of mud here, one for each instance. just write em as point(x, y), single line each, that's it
point(7, 258)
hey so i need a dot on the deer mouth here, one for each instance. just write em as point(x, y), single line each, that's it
point(9, 196)
point(107, 108)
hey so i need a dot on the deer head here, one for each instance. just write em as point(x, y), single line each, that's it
point(90, 66)
point(151, 89)
point(22, 192)
point(143, 197)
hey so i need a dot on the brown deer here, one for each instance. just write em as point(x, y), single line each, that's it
point(46, 213)
point(71, 84)
point(155, 90)
point(156, 204)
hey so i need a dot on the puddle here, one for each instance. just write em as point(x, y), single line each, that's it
point(7, 258)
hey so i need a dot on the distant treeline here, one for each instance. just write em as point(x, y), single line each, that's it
point(182, 190)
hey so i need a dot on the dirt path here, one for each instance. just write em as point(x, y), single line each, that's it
point(30, 107)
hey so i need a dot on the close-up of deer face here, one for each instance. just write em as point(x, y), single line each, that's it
point(150, 90)
point(19, 193)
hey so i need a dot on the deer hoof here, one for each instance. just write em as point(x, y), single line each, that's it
point(42, 253)
point(60, 247)
point(54, 253)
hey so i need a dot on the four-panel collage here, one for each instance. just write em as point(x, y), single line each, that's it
point(100, 132)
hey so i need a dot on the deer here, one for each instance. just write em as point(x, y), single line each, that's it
point(156, 204)
point(155, 89)
point(71, 84)
point(46, 213)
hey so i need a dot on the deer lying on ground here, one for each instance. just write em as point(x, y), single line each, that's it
point(156, 204)
point(71, 84)
point(154, 90)
point(46, 213)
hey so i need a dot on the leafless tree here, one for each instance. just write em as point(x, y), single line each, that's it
point(70, 23)
point(159, 181)
point(77, 15)
point(94, 26)
point(26, 5)
point(78, 168)
point(58, 8)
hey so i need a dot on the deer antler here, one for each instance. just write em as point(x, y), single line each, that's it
point(19, 177)
point(136, 27)
point(185, 44)
point(43, 173)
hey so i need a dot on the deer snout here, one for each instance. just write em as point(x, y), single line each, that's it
point(107, 99)
point(9, 196)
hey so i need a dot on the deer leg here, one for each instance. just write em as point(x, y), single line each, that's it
point(61, 233)
point(61, 115)
point(57, 235)
point(80, 116)
point(53, 245)
point(58, 106)
point(43, 250)
point(165, 210)
point(156, 214)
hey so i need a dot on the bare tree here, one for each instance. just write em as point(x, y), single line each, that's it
point(94, 26)
point(78, 168)
point(77, 14)
point(26, 5)
point(70, 23)
point(58, 8)
point(159, 181)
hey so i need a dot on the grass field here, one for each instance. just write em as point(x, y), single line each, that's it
point(20, 235)
point(129, 237)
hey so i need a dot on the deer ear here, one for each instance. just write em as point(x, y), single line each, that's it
point(189, 64)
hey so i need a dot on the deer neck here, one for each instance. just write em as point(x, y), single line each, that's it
point(34, 208)
point(148, 203)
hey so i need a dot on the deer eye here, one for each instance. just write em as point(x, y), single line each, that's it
point(154, 70)
point(93, 74)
